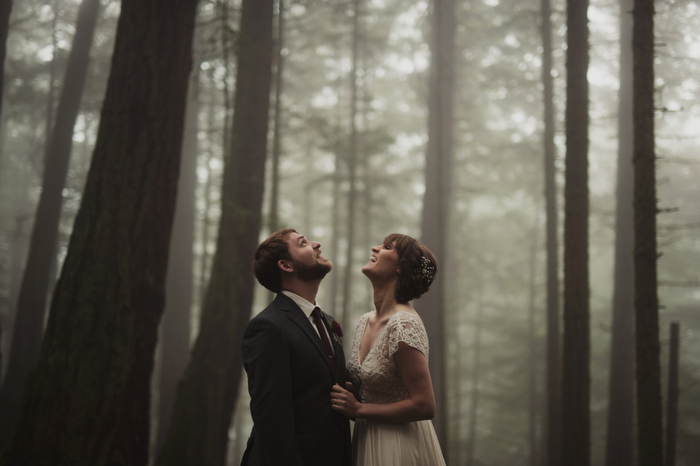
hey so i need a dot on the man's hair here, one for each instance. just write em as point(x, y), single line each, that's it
point(271, 251)
point(417, 266)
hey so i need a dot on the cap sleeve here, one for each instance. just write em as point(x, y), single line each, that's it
point(407, 328)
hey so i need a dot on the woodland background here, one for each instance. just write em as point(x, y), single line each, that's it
point(346, 165)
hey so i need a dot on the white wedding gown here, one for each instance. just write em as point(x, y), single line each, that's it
point(385, 444)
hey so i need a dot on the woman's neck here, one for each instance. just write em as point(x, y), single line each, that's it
point(384, 298)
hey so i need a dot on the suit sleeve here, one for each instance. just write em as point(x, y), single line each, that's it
point(266, 360)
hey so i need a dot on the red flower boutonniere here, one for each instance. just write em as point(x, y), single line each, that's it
point(336, 330)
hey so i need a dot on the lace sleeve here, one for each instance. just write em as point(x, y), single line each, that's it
point(407, 328)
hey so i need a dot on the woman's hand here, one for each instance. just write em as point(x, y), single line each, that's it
point(345, 402)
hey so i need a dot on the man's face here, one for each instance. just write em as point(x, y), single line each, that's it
point(307, 261)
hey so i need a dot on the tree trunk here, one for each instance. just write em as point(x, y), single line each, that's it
point(175, 339)
point(471, 443)
point(438, 166)
point(672, 402)
point(620, 439)
point(5, 11)
point(648, 370)
point(532, 352)
point(576, 371)
point(199, 431)
point(31, 304)
point(87, 402)
point(352, 171)
point(277, 128)
point(552, 434)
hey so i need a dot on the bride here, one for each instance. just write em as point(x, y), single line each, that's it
point(388, 364)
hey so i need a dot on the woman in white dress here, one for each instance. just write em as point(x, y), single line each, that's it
point(388, 364)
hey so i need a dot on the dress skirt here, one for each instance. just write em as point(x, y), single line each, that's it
point(406, 444)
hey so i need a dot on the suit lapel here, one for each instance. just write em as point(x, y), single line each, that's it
point(297, 316)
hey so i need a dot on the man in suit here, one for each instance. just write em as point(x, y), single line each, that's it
point(293, 355)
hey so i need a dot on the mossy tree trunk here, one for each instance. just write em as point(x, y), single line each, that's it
point(31, 305)
point(206, 396)
point(576, 358)
point(87, 401)
point(648, 370)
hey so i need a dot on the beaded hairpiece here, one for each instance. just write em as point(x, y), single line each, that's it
point(426, 269)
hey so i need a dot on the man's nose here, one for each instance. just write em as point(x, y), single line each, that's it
point(316, 244)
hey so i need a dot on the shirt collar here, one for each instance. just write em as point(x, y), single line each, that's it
point(306, 307)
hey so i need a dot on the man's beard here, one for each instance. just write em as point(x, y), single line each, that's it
point(310, 273)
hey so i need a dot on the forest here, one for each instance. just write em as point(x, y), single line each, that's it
point(547, 152)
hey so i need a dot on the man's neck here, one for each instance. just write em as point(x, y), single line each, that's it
point(306, 290)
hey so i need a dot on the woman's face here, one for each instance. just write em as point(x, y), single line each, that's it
point(383, 263)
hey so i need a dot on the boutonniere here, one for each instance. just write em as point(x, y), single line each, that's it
point(336, 330)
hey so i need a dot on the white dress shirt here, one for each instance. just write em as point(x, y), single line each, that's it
point(307, 308)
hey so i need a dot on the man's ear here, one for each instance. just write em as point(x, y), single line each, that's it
point(285, 266)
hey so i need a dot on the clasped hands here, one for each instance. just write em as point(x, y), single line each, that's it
point(344, 401)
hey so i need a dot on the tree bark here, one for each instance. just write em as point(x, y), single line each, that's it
point(552, 435)
point(5, 12)
point(199, 431)
point(87, 402)
point(277, 128)
point(576, 372)
point(672, 403)
point(438, 166)
point(648, 370)
point(31, 304)
point(175, 340)
point(620, 438)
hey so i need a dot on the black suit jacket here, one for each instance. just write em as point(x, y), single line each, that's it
point(290, 377)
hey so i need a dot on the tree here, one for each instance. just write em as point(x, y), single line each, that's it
point(576, 372)
point(175, 327)
point(552, 437)
point(87, 402)
point(5, 11)
point(646, 300)
point(277, 123)
point(199, 431)
point(31, 304)
point(672, 403)
point(620, 438)
point(438, 162)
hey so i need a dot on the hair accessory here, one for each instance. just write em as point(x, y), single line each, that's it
point(426, 269)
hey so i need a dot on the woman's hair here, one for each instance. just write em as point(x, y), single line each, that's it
point(271, 251)
point(417, 266)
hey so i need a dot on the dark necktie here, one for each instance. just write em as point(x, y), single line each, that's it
point(316, 314)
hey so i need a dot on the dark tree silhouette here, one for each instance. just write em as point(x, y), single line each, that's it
point(646, 300)
point(576, 373)
point(438, 168)
point(175, 327)
point(31, 304)
point(620, 438)
point(277, 122)
point(5, 11)
point(87, 401)
point(552, 434)
point(672, 402)
point(206, 397)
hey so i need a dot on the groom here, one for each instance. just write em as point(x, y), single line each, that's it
point(293, 355)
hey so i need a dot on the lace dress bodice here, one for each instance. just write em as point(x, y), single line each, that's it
point(378, 377)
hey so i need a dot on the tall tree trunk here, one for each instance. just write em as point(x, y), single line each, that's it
point(576, 372)
point(352, 170)
point(175, 336)
point(532, 353)
point(199, 431)
point(277, 128)
point(471, 442)
point(438, 166)
point(87, 402)
point(5, 11)
point(552, 435)
point(620, 438)
point(648, 370)
point(672, 401)
point(31, 304)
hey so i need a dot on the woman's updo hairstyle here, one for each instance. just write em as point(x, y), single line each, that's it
point(417, 266)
